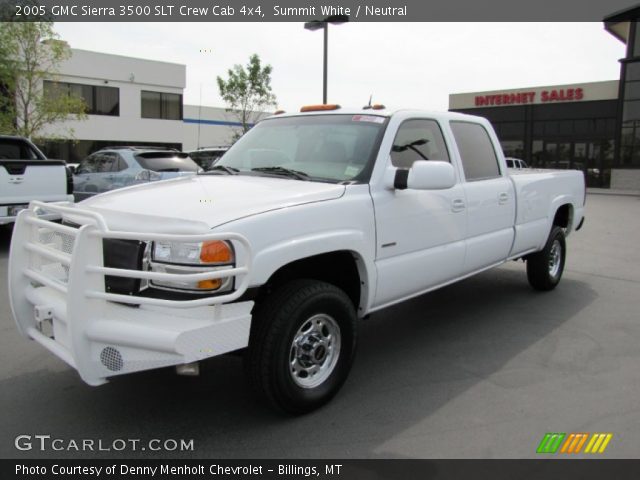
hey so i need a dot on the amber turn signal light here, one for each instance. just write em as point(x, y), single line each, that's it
point(216, 251)
point(210, 284)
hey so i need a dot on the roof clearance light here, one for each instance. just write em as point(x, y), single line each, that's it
point(319, 108)
point(279, 112)
point(377, 106)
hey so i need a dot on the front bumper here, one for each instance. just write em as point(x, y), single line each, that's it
point(58, 298)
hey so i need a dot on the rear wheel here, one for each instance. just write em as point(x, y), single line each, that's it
point(544, 268)
point(302, 344)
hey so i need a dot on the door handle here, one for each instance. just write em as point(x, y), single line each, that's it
point(503, 198)
point(457, 205)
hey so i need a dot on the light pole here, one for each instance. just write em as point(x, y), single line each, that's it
point(324, 24)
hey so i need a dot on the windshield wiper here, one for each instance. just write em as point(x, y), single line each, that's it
point(413, 146)
point(283, 171)
point(222, 168)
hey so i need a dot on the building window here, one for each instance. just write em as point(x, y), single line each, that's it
point(513, 148)
point(632, 71)
point(99, 100)
point(166, 106)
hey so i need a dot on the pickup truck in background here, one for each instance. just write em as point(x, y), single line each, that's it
point(26, 175)
point(309, 222)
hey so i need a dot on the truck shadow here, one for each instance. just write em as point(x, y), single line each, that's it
point(413, 360)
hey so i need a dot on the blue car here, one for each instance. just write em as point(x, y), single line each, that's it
point(117, 167)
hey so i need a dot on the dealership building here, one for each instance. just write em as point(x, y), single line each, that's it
point(592, 126)
point(132, 101)
point(559, 126)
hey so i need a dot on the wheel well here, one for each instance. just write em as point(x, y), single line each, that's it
point(563, 217)
point(338, 268)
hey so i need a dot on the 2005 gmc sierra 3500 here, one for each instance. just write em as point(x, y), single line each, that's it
point(309, 222)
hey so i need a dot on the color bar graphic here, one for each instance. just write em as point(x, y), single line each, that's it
point(573, 442)
point(598, 443)
point(550, 442)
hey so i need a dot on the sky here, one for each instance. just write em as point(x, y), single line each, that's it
point(403, 65)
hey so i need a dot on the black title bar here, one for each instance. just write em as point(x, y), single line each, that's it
point(302, 11)
point(543, 469)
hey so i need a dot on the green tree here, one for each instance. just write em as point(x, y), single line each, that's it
point(247, 91)
point(31, 52)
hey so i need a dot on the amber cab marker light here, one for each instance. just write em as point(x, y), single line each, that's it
point(216, 251)
point(377, 106)
point(279, 112)
point(319, 108)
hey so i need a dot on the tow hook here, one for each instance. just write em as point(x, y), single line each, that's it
point(188, 369)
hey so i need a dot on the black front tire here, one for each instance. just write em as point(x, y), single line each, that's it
point(544, 268)
point(277, 320)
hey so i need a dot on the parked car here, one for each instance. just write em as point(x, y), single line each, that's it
point(116, 167)
point(307, 224)
point(515, 163)
point(26, 175)
point(206, 157)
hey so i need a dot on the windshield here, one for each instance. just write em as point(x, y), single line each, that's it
point(334, 148)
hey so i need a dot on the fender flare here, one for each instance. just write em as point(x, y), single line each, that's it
point(269, 260)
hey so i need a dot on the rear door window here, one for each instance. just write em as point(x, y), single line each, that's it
point(479, 159)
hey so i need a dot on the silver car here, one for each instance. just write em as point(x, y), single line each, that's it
point(117, 167)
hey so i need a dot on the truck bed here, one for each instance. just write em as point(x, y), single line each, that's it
point(539, 193)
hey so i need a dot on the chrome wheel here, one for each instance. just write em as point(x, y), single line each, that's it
point(555, 259)
point(314, 351)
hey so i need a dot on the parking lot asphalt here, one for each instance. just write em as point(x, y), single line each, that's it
point(480, 369)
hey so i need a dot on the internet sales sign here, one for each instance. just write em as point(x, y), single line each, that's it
point(522, 98)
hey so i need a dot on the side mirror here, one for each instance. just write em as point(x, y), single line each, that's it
point(425, 175)
point(72, 169)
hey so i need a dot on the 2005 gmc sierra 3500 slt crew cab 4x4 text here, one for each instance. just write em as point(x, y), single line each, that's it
point(309, 222)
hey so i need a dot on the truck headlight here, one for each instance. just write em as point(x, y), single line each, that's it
point(184, 258)
point(202, 253)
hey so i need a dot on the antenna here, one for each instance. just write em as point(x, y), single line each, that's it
point(368, 107)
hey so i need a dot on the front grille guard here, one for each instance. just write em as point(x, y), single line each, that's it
point(70, 260)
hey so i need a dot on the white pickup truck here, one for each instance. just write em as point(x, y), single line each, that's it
point(26, 174)
point(308, 223)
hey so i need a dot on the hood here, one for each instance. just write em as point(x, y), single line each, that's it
point(198, 203)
